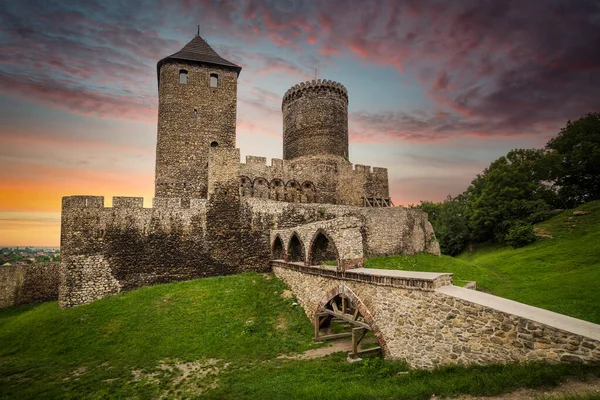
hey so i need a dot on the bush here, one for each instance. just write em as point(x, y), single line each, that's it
point(519, 235)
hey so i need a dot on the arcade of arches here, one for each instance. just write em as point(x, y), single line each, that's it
point(277, 190)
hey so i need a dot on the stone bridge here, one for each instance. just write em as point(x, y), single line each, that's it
point(424, 319)
point(420, 317)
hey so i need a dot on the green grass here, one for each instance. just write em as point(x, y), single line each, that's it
point(220, 338)
point(560, 273)
point(235, 318)
point(215, 338)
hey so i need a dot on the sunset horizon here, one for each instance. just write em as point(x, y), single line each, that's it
point(437, 91)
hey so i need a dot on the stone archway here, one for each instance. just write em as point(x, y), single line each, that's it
point(277, 252)
point(245, 186)
point(277, 188)
point(295, 250)
point(322, 248)
point(342, 303)
point(260, 188)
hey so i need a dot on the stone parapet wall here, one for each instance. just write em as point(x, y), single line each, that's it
point(31, 283)
point(385, 231)
point(343, 233)
point(313, 179)
point(430, 328)
point(398, 279)
point(225, 234)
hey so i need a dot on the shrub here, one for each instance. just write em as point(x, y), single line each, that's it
point(519, 235)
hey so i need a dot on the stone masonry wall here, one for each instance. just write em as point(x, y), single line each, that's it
point(315, 119)
point(430, 329)
point(343, 233)
point(174, 240)
point(385, 231)
point(316, 179)
point(32, 283)
point(192, 117)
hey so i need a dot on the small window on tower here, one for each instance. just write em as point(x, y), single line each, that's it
point(183, 75)
point(214, 80)
point(214, 144)
point(195, 113)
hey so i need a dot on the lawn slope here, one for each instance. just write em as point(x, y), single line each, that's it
point(560, 272)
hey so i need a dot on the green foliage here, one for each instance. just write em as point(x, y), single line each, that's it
point(559, 272)
point(508, 193)
point(450, 222)
point(519, 235)
point(577, 154)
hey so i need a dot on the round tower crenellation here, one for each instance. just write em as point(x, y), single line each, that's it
point(315, 119)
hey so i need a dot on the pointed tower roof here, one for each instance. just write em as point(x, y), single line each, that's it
point(198, 51)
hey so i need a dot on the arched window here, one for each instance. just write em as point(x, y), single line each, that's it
point(183, 75)
point(295, 250)
point(214, 144)
point(277, 251)
point(322, 250)
point(214, 80)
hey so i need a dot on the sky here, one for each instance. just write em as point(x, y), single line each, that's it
point(437, 89)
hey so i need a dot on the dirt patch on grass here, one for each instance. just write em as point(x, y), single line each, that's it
point(182, 379)
point(287, 294)
point(334, 347)
point(542, 233)
point(76, 374)
point(281, 323)
point(569, 388)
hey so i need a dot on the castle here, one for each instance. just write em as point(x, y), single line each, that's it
point(213, 215)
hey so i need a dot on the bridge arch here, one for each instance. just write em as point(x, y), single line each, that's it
point(322, 248)
point(277, 250)
point(342, 290)
point(295, 249)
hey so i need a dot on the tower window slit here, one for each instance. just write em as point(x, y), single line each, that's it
point(214, 80)
point(183, 77)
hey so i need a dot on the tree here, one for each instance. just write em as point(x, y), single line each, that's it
point(449, 220)
point(454, 231)
point(577, 152)
point(509, 192)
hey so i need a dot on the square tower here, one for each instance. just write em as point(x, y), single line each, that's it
point(197, 103)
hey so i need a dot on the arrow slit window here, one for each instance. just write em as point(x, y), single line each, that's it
point(214, 80)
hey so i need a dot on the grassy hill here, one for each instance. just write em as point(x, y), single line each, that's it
point(221, 338)
point(559, 272)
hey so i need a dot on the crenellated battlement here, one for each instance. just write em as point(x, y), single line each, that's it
point(319, 85)
point(82, 202)
point(131, 203)
point(128, 202)
point(373, 171)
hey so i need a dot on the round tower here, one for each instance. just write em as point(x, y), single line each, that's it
point(197, 100)
point(315, 119)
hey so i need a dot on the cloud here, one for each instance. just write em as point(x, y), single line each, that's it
point(500, 68)
point(522, 64)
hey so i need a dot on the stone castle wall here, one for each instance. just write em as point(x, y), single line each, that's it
point(192, 117)
point(314, 179)
point(315, 120)
point(429, 328)
point(109, 249)
point(32, 283)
